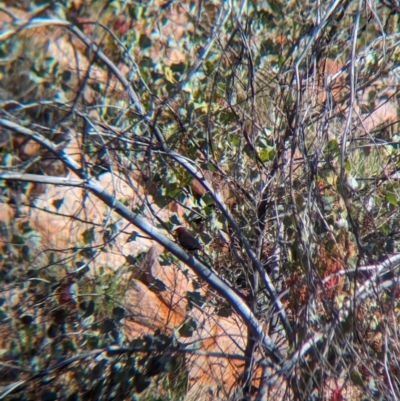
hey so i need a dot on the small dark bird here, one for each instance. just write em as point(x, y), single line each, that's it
point(187, 240)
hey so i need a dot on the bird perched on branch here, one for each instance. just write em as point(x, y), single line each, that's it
point(187, 240)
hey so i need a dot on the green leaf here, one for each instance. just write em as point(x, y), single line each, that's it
point(107, 237)
point(87, 253)
point(57, 203)
point(392, 198)
point(385, 229)
point(196, 298)
point(49, 396)
point(59, 315)
point(162, 341)
point(226, 117)
point(157, 285)
point(264, 155)
point(27, 320)
point(267, 154)
point(137, 344)
point(3, 316)
point(211, 168)
point(235, 140)
point(118, 312)
point(52, 331)
point(132, 238)
point(174, 220)
point(17, 240)
point(333, 145)
point(172, 190)
point(141, 383)
point(328, 202)
point(124, 201)
point(107, 326)
point(178, 68)
point(66, 76)
point(207, 199)
point(26, 253)
point(187, 329)
point(88, 307)
point(98, 369)
point(371, 96)
point(88, 236)
point(131, 259)
point(300, 201)
point(225, 311)
point(144, 42)
point(356, 378)
point(25, 227)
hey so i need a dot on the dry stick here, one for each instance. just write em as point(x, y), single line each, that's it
point(89, 183)
point(348, 122)
point(377, 270)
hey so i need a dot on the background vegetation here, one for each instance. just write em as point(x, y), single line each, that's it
point(274, 124)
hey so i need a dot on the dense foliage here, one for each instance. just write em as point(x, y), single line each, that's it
point(289, 110)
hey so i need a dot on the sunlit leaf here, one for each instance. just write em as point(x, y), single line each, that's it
point(187, 329)
point(392, 198)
